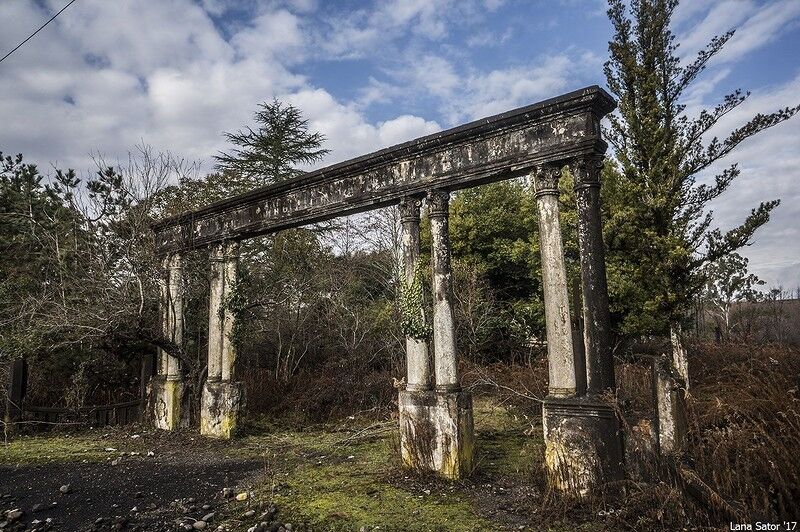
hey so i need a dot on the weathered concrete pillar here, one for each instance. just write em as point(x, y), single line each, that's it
point(228, 324)
point(582, 437)
point(597, 329)
point(444, 336)
point(167, 389)
point(222, 397)
point(669, 394)
point(215, 313)
point(560, 354)
point(418, 370)
point(436, 427)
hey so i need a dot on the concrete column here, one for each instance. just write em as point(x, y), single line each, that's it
point(222, 398)
point(560, 355)
point(228, 348)
point(436, 427)
point(166, 391)
point(175, 315)
point(163, 315)
point(444, 340)
point(597, 333)
point(583, 443)
point(215, 310)
point(418, 371)
point(669, 394)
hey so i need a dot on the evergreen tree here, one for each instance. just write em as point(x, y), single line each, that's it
point(270, 152)
point(659, 227)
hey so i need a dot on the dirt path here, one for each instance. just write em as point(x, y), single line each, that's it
point(141, 493)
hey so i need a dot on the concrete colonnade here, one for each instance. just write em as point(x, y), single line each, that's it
point(436, 425)
point(582, 435)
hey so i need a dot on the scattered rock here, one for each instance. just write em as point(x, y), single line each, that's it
point(249, 513)
point(110, 450)
point(241, 496)
point(115, 461)
point(66, 488)
point(208, 517)
point(199, 525)
point(269, 513)
point(227, 492)
point(206, 507)
point(14, 515)
point(150, 453)
point(36, 508)
point(99, 521)
point(139, 495)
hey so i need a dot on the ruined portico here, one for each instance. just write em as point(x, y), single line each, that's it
point(540, 140)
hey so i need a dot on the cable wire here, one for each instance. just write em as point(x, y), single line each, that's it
point(37, 31)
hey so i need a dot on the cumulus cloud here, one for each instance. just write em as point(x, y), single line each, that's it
point(769, 164)
point(111, 75)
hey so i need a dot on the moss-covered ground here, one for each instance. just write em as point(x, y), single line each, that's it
point(338, 476)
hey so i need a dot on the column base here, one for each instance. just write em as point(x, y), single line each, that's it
point(166, 397)
point(436, 432)
point(220, 407)
point(583, 444)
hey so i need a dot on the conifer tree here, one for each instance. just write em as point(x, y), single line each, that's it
point(665, 227)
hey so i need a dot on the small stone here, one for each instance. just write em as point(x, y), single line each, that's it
point(426, 492)
point(135, 509)
point(199, 525)
point(241, 496)
point(190, 500)
point(65, 489)
point(139, 495)
point(110, 450)
point(288, 527)
point(150, 453)
point(99, 521)
point(208, 517)
point(115, 461)
point(249, 513)
point(206, 507)
point(36, 507)
point(227, 492)
point(13, 515)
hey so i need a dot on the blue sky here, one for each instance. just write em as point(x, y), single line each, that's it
point(175, 74)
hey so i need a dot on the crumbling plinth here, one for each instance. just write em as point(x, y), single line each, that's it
point(669, 393)
point(166, 396)
point(583, 444)
point(436, 432)
point(219, 411)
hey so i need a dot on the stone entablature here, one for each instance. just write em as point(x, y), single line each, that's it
point(491, 149)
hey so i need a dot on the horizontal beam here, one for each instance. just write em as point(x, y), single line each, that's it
point(491, 149)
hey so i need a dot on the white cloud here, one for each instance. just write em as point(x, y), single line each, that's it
point(106, 76)
point(769, 163)
point(348, 134)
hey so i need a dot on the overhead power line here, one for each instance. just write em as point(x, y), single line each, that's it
point(17, 47)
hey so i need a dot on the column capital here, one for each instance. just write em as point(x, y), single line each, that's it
point(231, 249)
point(586, 170)
point(216, 252)
point(409, 209)
point(545, 179)
point(439, 202)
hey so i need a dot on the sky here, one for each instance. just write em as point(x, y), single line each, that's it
point(106, 76)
